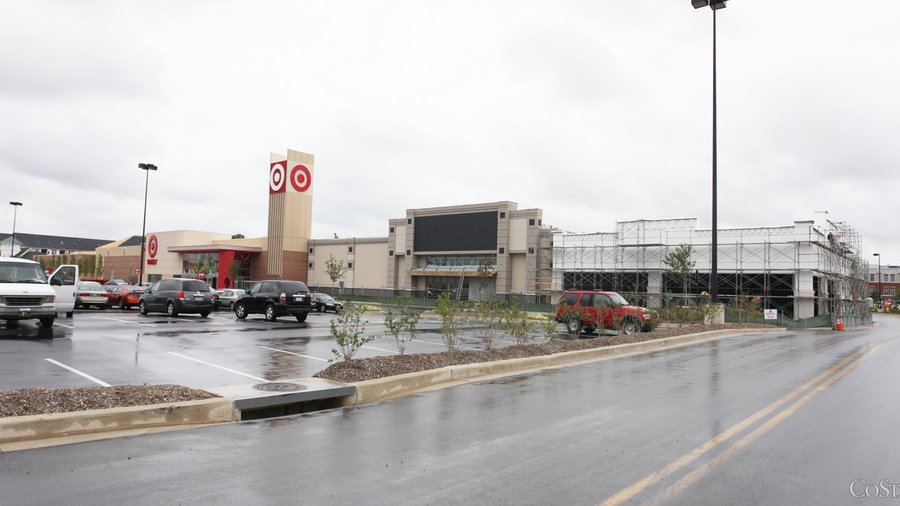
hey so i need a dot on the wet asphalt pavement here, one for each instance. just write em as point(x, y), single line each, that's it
point(807, 417)
point(122, 347)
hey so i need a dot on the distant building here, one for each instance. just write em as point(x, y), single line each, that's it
point(31, 245)
point(889, 284)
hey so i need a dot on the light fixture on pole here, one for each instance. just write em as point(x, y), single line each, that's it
point(12, 247)
point(147, 167)
point(879, 273)
point(713, 276)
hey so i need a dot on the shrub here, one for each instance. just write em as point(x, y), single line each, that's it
point(449, 311)
point(517, 324)
point(348, 329)
point(401, 321)
point(489, 314)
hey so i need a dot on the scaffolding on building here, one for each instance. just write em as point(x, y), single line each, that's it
point(804, 270)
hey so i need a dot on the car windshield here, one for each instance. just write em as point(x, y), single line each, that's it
point(15, 272)
point(326, 297)
point(618, 299)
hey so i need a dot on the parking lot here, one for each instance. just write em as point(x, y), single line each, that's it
point(117, 347)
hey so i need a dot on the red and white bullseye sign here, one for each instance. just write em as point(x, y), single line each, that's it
point(277, 177)
point(300, 178)
point(152, 246)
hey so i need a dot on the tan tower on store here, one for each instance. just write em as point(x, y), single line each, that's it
point(290, 214)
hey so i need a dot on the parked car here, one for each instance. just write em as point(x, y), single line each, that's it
point(25, 293)
point(585, 310)
point(177, 295)
point(124, 296)
point(90, 293)
point(214, 294)
point(324, 302)
point(229, 296)
point(115, 281)
point(275, 298)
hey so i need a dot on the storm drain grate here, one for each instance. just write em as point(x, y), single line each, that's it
point(278, 387)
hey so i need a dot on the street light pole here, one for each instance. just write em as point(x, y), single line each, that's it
point(12, 248)
point(879, 275)
point(714, 257)
point(146, 167)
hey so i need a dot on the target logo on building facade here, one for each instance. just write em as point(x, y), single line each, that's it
point(301, 178)
point(152, 246)
point(277, 177)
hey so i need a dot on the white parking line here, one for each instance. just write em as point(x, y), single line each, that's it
point(217, 366)
point(292, 353)
point(76, 371)
point(66, 326)
point(381, 349)
point(127, 321)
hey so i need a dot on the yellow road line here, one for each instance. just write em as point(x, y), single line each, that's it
point(641, 485)
point(692, 477)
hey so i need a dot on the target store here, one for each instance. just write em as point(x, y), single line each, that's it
point(476, 250)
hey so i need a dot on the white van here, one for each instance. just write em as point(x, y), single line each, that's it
point(25, 292)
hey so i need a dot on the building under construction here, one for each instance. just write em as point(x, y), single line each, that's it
point(805, 270)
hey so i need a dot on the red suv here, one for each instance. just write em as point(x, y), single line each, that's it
point(607, 309)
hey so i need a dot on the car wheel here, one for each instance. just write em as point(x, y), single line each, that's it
point(121, 303)
point(319, 309)
point(629, 326)
point(240, 311)
point(170, 309)
point(270, 313)
point(102, 306)
point(589, 330)
point(301, 317)
point(69, 314)
point(142, 308)
point(204, 315)
point(573, 327)
point(46, 322)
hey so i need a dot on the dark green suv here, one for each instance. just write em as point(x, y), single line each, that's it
point(274, 298)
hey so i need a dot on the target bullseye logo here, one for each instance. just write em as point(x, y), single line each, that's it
point(300, 178)
point(153, 246)
point(277, 177)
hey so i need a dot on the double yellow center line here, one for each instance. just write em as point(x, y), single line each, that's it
point(803, 394)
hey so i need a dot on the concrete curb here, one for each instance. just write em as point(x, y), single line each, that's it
point(411, 383)
point(22, 428)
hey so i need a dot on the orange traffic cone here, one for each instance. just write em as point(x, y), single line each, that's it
point(839, 325)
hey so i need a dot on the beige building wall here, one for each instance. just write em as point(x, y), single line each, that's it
point(363, 257)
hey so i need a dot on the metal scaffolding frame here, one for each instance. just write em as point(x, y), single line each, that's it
point(804, 270)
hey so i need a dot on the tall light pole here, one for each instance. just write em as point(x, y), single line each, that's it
point(146, 167)
point(713, 277)
point(12, 249)
point(879, 274)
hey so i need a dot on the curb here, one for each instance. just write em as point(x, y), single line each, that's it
point(405, 384)
point(26, 428)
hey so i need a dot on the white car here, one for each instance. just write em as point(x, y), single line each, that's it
point(228, 296)
point(25, 293)
point(90, 293)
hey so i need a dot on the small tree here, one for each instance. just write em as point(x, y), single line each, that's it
point(489, 314)
point(335, 269)
point(401, 321)
point(237, 236)
point(348, 329)
point(570, 316)
point(680, 265)
point(449, 310)
point(517, 324)
point(549, 326)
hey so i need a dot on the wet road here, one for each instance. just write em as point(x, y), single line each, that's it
point(798, 418)
point(122, 347)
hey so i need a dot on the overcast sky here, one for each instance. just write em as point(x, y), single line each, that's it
point(595, 112)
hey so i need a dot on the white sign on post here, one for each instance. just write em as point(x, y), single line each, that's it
point(770, 314)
